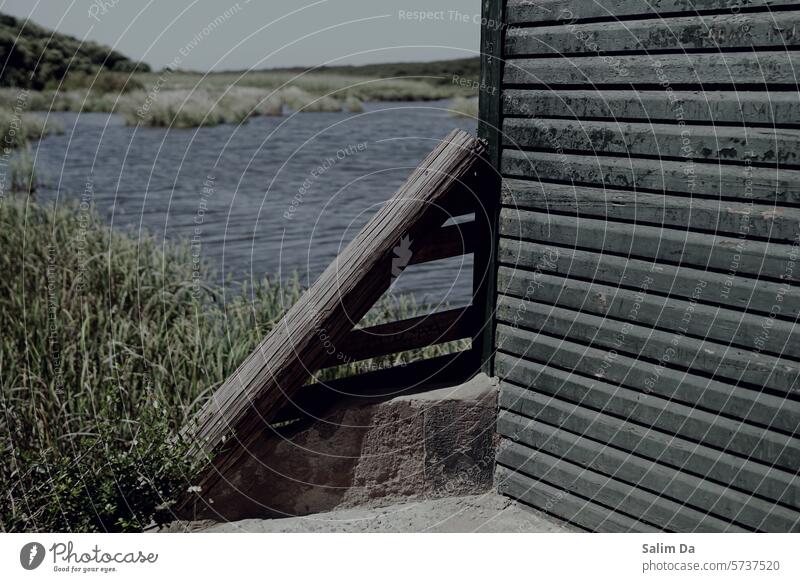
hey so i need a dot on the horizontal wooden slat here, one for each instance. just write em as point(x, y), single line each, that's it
point(731, 218)
point(723, 398)
point(446, 242)
point(702, 494)
point(735, 292)
point(565, 505)
point(313, 400)
point(713, 107)
point(756, 258)
point(610, 492)
point(738, 182)
point(755, 443)
point(528, 11)
point(724, 468)
point(717, 31)
point(400, 336)
point(463, 199)
point(705, 143)
point(726, 326)
point(702, 356)
point(770, 68)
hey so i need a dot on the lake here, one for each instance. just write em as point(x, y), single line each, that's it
point(273, 196)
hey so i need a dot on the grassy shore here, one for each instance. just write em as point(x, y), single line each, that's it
point(108, 347)
point(186, 99)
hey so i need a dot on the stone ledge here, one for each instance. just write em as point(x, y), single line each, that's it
point(363, 452)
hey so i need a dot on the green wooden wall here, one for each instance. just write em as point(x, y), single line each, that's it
point(648, 262)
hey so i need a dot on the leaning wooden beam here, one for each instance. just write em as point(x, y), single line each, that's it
point(240, 410)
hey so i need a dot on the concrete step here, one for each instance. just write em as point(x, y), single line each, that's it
point(366, 452)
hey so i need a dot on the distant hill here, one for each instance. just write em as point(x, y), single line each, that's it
point(23, 44)
point(469, 68)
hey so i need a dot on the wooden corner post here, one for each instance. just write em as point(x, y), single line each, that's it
point(486, 215)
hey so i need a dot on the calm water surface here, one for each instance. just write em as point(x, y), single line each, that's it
point(273, 196)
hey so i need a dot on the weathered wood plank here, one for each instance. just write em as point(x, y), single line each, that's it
point(400, 336)
point(772, 68)
point(716, 31)
point(757, 258)
point(721, 398)
point(760, 220)
point(657, 106)
point(346, 290)
point(611, 492)
point(730, 290)
point(535, 11)
point(704, 143)
point(726, 326)
point(312, 400)
point(565, 505)
point(733, 436)
point(719, 361)
point(702, 494)
point(739, 182)
point(723, 468)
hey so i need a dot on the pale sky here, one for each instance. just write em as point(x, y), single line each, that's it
point(265, 33)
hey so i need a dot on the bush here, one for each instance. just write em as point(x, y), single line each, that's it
point(36, 57)
point(109, 345)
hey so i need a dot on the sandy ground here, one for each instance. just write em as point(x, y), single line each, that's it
point(476, 513)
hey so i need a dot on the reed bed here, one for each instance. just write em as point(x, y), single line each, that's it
point(182, 100)
point(109, 345)
point(463, 107)
point(17, 130)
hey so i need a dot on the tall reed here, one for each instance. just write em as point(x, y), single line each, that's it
point(110, 343)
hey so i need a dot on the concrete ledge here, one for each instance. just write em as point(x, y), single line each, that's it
point(366, 452)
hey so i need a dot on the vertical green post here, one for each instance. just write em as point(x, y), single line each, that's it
point(486, 218)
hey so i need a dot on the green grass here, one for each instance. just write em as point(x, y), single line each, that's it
point(463, 107)
point(18, 129)
point(109, 345)
point(184, 100)
point(18, 173)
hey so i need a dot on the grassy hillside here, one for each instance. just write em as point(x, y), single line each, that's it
point(435, 72)
point(24, 44)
